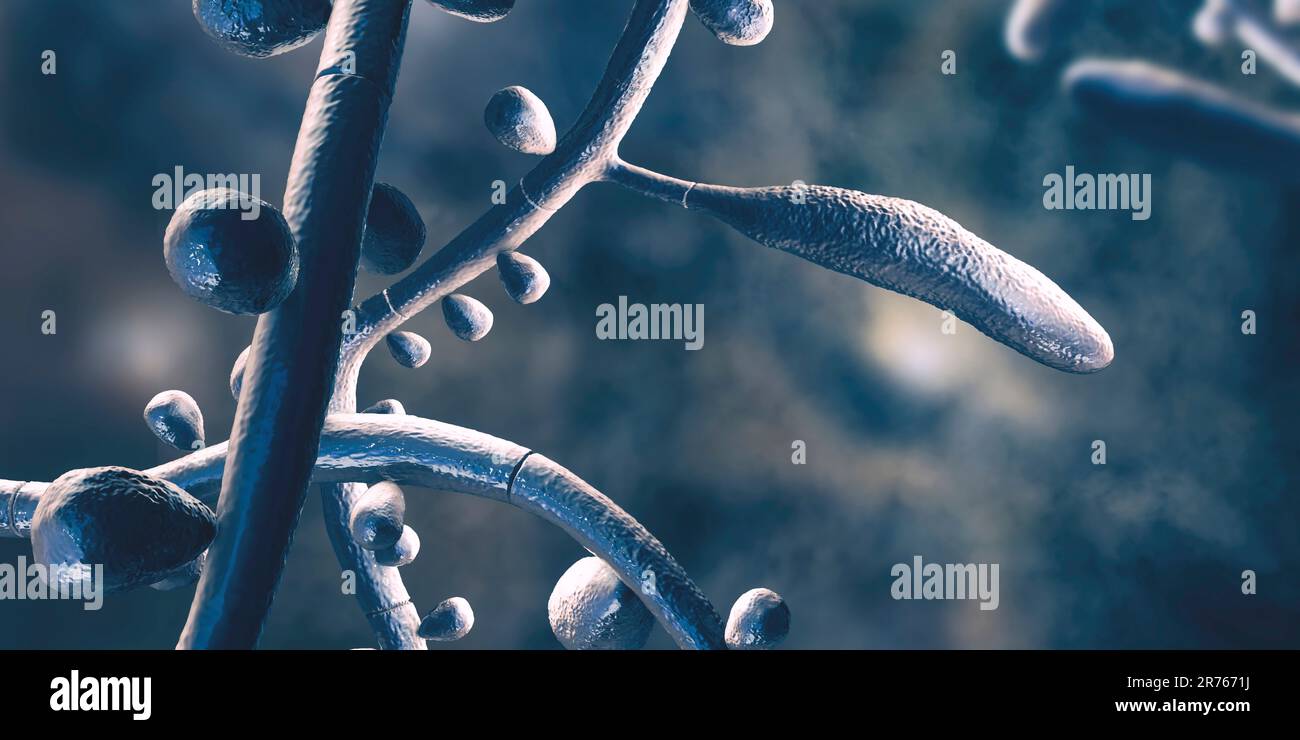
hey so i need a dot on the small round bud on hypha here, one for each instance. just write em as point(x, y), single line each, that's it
point(408, 348)
point(387, 406)
point(231, 251)
point(448, 622)
point(479, 11)
point(141, 529)
point(175, 418)
point(402, 553)
point(237, 372)
point(395, 233)
point(736, 22)
point(591, 609)
point(759, 620)
point(467, 318)
point(524, 278)
point(376, 519)
point(519, 119)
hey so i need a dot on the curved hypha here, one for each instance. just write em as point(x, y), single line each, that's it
point(912, 249)
point(386, 449)
point(1178, 113)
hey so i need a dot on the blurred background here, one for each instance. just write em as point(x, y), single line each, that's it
point(951, 447)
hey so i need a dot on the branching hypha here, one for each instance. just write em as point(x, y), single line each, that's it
point(296, 421)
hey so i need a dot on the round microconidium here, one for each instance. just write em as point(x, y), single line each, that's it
point(262, 28)
point(402, 553)
point(387, 406)
point(449, 621)
point(591, 609)
point(175, 418)
point(231, 251)
point(524, 278)
point(467, 318)
point(736, 22)
point(237, 372)
point(395, 232)
point(408, 348)
point(759, 620)
point(520, 120)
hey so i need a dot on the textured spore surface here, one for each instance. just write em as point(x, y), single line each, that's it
point(222, 259)
point(262, 28)
point(395, 233)
point(592, 609)
point(114, 516)
point(912, 249)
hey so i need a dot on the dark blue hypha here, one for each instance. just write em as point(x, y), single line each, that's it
point(140, 528)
